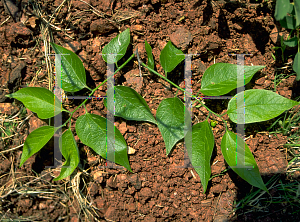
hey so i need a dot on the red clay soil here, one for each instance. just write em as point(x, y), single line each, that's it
point(159, 189)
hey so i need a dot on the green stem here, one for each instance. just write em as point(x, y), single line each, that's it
point(223, 114)
point(88, 88)
point(298, 39)
point(176, 93)
point(164, 78)
point(208, 116)
point(94, 90)
point(291, 145)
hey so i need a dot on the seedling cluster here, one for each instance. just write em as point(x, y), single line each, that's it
point(288, 14)
point(218, 79)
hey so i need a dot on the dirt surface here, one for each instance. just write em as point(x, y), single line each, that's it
point(160, 188)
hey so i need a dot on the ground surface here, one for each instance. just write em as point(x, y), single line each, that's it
point(157, 190)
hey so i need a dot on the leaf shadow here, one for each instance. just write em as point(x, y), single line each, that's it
point(223, 28)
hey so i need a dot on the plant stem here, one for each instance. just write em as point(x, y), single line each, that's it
point(291, 145)
point(94, 90)
point(161, 76)
point(298, 39)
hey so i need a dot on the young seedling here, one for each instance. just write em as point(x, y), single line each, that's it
point(288, 14)
point(218, 79)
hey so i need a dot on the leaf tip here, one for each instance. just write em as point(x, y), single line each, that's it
point(9, 95)
point(22, 162)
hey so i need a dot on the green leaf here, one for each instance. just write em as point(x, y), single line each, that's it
point(296, 65)
point(297, 12)
point(292, 42)
point(170, 121)
point(221, 78)
point(288, 22)
point(282, 8)
point(233, 151)
point(260, 105)
point(200, 150)
point(70, 152)
point(73, 76)
point(91, 130)
point(150, 55)
point(39, 100)
point(116, 46)
point(36, 140)
point(130, 105)
point(170, 57)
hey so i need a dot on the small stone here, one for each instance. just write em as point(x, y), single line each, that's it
point(102, 27)
point(135, 181)
point(296, 174)
point(134, 80)
point(181, 38)
point(122, 128)
point(202, 67)
point(112, 182)
point(238, 26)
point(32, 21)
point(260, 81)
point(145, 192)
point(42, 206)
point(98, 176)
point(274, 35)
point(141, 50)
point(131, 150)
point(96, 44)
point(110, 213)
point(161, 44)
point(267, 83)
point(122, 177)
point(54, 172)
point(139, 28)
point(131, 129)
point(92, 159)
point(131, 207)
point(16, 72)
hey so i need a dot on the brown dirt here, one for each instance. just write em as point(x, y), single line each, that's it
point(157, 190)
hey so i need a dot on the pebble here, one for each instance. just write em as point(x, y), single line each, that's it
point(102, 27)
point(181, 38)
